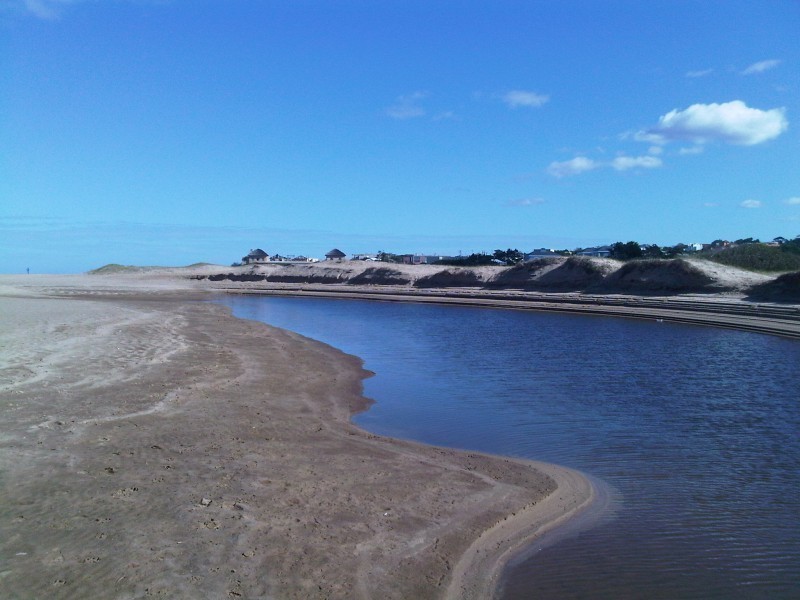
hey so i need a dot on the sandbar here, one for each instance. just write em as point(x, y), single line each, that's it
point(153, 445)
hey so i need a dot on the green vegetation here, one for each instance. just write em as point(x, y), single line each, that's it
point(389, 257)
point(782, 254)
point(508, 257)
point(759, 257)
point(473, 260)
point(626, 251)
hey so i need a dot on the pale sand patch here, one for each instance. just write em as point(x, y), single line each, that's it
point(154, 447)
point(477, 573)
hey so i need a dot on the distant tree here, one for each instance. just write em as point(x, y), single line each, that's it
point(626, 251)
point(676, 250)
point(652, 251)
point(747, 241)
point(780, 240)
point(388, 257)
point(792, 246)
point(473, 260)
point(510, 257)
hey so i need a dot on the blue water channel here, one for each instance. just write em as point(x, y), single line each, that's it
point(694, 430)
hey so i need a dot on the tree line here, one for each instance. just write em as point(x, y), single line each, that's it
point(624, 251)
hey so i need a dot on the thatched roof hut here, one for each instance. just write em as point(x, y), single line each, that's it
point(335, 254)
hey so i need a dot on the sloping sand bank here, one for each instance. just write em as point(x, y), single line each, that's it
point(556, 274)
point(154, 446)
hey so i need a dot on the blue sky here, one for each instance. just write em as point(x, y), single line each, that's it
point(175, 131)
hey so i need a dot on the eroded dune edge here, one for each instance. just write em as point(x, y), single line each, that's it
point(153, 446)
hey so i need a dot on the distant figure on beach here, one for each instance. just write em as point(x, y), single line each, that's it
point(28, 270)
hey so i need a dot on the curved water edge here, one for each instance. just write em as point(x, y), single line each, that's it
point(572, 506)
point(694, 427)
point(578, 503)
point(600, 508)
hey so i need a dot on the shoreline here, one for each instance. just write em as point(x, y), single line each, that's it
point(143, 461)
point(724, 311)
point(478, 573)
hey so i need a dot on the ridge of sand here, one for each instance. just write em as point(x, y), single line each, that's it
point(152, 446)
point(478, 571)
point(555, 274)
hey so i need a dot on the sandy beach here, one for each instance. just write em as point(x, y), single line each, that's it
point(153, 445)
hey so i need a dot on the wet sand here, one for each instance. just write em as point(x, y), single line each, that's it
point(155, 446)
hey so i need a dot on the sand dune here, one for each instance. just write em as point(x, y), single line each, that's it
point(577, 274)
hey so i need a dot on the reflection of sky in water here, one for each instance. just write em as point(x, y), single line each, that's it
point(696, 429)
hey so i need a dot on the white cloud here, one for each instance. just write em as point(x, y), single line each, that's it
point(655, 150)
point(750, 204)
point(701, 73)
point(407, 106)
point(447, 115)
point(52, 9)
point(623, 163)
point(526, 202)
point(732, 122)
point(793, 201)
point(44, 9)
point(761, 66)
point(691, 150)
point(517, 98)
point(579, 164)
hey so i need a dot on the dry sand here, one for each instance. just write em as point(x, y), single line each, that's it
point(155, 446)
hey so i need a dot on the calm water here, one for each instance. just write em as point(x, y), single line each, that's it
point(695, 431)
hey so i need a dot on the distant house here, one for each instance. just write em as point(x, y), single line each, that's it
point(598, 251)
point(421, 259)
point(540, 253)
point(335, 254)
point(255, 256)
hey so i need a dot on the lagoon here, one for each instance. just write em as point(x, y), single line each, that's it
point(692, 430)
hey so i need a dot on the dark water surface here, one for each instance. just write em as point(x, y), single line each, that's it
point(695, 430)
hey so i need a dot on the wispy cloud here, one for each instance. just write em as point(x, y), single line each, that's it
point(731, 122)
point(45, 9)
point(408, 106)
point(575, 166)
point(31, 223)
point(525, 99)
point(526, 202)
point(53, 9)
point(582, 164)
point(623, 163)
point(750, 203)
point(447, 115)
point(700, 73)
point(691, 150)
point(794, 201)
point(761, 66)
